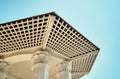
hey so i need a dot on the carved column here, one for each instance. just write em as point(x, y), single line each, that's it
point(3, 70)
point(40, 65)
point(64, 70)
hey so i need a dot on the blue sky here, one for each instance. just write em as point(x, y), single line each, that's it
point(98, 20)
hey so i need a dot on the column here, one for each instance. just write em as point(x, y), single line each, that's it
point(40, 65)
point(3, 71)
point(64, 70)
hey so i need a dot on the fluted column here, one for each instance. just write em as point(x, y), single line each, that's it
point(3, 70)
point(64, 70)
point(40, 65)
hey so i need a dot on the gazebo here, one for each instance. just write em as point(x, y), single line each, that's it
point(55, 49)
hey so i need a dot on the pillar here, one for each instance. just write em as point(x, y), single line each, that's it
point(3, 70)
point(64, 70)
point(40, 65)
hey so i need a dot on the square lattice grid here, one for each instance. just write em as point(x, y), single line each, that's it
point(23, 33)
point(83, 64)
point(65, 39)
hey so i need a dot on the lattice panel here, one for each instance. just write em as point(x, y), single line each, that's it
point(66, 40)
point(83, 64)
point(23, 33)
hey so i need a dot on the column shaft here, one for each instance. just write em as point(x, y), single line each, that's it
point(40, 65)
point(64, 70)
point(41, 72)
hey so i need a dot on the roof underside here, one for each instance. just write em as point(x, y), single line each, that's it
point(49, 32)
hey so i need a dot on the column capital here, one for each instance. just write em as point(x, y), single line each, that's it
point(3, 75)
point(3, 71)
point(40, 57)
point(63, 66)
point(3, 64)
